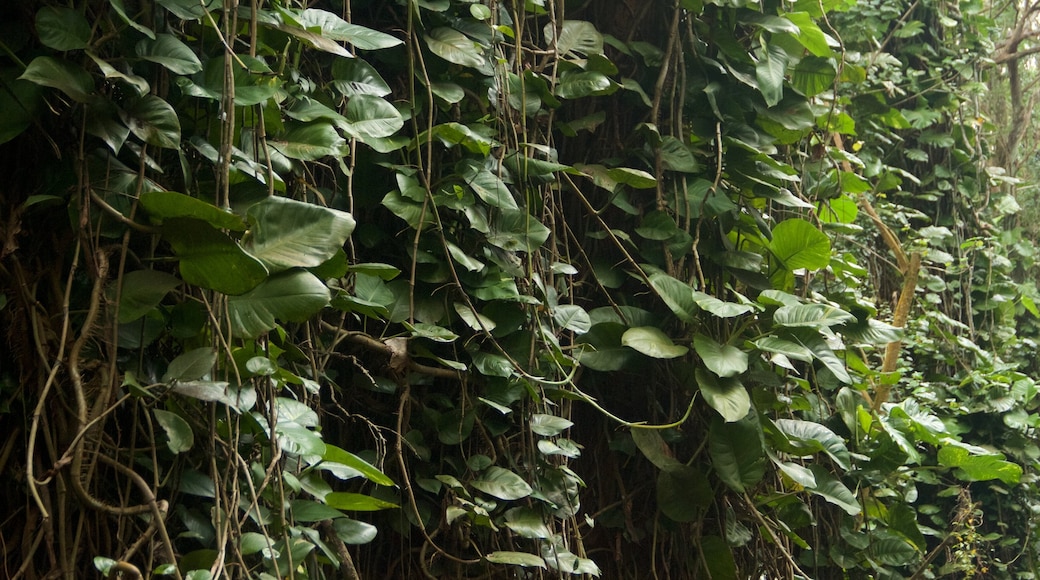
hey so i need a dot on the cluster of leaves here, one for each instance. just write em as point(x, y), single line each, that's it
point(471, 274)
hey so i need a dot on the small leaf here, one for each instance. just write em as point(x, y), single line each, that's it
point(502, 483)
point(353, 532)
point(723, 360)
point(652, 342)
point(181, 437)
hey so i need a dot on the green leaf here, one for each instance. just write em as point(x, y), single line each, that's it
point(490, 188)
point(785, 347)
point(657, 225)
point(295, 296)
point(798, 244)
point(190, 9)
point(577, 38)
point(287, 233)
point(474, 320)
point(677, 295)
point(718, 558)
point(62, 28)
point(683, 493)
point(834, 491)
point(572, 317)
point(253, 542)
point(162, 205)
point(153, 121)
point(311, 142)
point(549, 425)
point(654, 448)
point(580, 84)
point(335, 454)
point(353, 76)
point(809, 431)
point(769, 72)
point(20, 100)
point(515, 558)
point(678, 157)
point(727, 396)
point(718, 307)
point(143, 290)
point(240, 400)
point(892, 551)
point(455, 47)
point(517, 230)
point(210, 259)
point(811, 316)
point(809, 34)
point(334, 27)
point(813, 75)
point(652, 342)
point(370, 117)
point(308, 510)
point(120, 10)
point(168, 51)
point(62, 75)
point(723, 360)
point(353, 532)
point(181, 438)
point(191, 366)
point(527, 522)
point(978, 464)
point(737, 453)
point(502, 483)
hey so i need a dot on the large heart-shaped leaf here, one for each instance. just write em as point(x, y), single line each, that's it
point(724, 360)
point(353, 76)
point(577, 38)
point(334, 27)
point(143, 290)
point(502, 483)
point(153, 121)
point(62, 28)
point(171, 53)
point(798, 244)
point(62, 75)
point(727, 396)
point(371, 118)
point(737, 453)
point(811, 316)
point(163, 205)
point(288, 233)
point(652, 342)
point(455, 47)
point(210, 259)
point(295, 296)
point(311, 142)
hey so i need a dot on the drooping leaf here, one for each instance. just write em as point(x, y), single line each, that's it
point(58, 74)
point(737, 453)
point(288, 234)
point(770, 70)
point(809, 431)
point(652, 342)
point(718, 558)
point(162, 205)
point(294, 295)
point(683, 493)
point(62, 28)
point(455, 47)
point(515, 558)
point(178, 431)
point(677, 295)
point(572, 317)
point(153, 121)
point(335, 454)
point(785, 347)
point(726, 395)
point(210, 259)
point(311, 142)
point(335, 28)
point(353, 532)
point(723, 360)
point(580, 84)
point(548, 425)
point(168, 51)
point(143, 290)
point(502, 483)
point(353, 76)
point(811, 316)
point(833, 490)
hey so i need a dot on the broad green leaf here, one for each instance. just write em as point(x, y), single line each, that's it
point(295, 296)
point(809, 34)
point(798, 244)
point(831, 443)
point(153, 121)
point(190, 9)
point(527, 522)
point(577, 38)
point(455, 47)
point(799, 474)
point(657, 225)
point(572, 317)
point(143, 290)
point(834, 491)
point(770, 70)
point(20, 100)
point(370, 117)
point(718, 558)
point(580, 84)
point(241, 400)
point(288, 233)
point(892, 551)
point(737, 453)
point(62, 28)
point(502, 483)
point(296, 412)
point(727, 396)
point(652, 342)
point(308, 510)
point(492, 365)
point(683, 493)
point(191, 366)
point(311, 142)
point(162, 205)
point(560, 558)
point(813, 75)
point(811, 316)
point(120, 10)
point(335, 454)
point(723, 360)
point(334, 27)
point(977, 464)
point(210, 259)
point(515, 558)
point(678, 157)
point(353, 76)
point(490, 188)
point(463, 259)
point(785, 347)
point(474, 320)
point(549, 425)
point(298, 440)
point(139, 84)
point(677, 295)
point(62, 75)
point(654, 448)
point(517, 231)
point(181, 438)
point(353, 532)
point(168, 51)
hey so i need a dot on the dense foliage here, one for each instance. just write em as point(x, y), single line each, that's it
point(453, 289)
